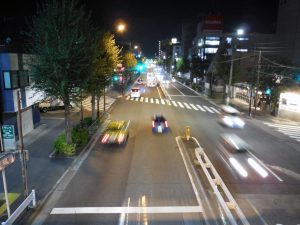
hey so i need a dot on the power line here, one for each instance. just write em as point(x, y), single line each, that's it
point(281, 65)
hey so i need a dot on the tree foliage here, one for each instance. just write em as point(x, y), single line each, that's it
point(129, 60)
point(60, 51)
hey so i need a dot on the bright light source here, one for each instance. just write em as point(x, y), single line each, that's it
point(240, 31)
point(238, 167)
point(174, 40)
point(121, 27)
point(257, 167)
point(136, 47)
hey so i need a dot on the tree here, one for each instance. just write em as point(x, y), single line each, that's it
point(129, 60)
point(60, 52)
point(105, 58)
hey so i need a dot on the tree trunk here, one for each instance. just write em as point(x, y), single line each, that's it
point(81, 109)
point(67, 120)
point(98, 106)
point(93, 107)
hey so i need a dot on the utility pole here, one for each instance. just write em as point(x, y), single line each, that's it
point(104, 98)
point(257, 83)
point(230, 74)
point(22, 151)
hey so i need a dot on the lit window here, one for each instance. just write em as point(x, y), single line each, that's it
point(228, 40)
point(242, 50)
point(211, 50)
point(212, 42)
point(7, 83)
point(243, 39)
point(15, 79)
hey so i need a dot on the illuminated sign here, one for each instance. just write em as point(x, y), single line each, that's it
point(290, 102)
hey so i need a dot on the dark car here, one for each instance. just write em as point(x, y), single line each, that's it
point(159, 124)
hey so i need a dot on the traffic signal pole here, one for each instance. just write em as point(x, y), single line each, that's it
point(257, 83)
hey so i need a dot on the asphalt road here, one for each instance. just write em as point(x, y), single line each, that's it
point(149, 171)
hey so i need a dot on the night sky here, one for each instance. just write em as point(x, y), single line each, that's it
point(150, 21)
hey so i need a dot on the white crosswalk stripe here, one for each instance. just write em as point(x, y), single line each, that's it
point(290, 130)
point(179, 103)
point(186, 105)
point(194, 107)
point(146, 100)
point(87, 104)
point(214, 110)
point(174, 103)
point(203, 110)
point(136, 99)
point(128, 97)
point(131, 98)
point(142, 99)
point(156, 100)
point(208, 109)
point(162, 102)
point(168, 102)
point(151, 100)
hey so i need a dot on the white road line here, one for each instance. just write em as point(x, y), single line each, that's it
point(156, 100)
point(131, 99)
point(137, 99)
point(168, 102)
point(174, 103)
point(158, 92)
point(118, 210)
point(151, 100)
point(294, 136)
point(142, 99)
point(186, 105)
point(214, 110)
point(208, 109)
point(203, 110)
point(267, 168)
point(162, 102)
point(281, 125)
point(179, 103)
point(128, 97)
point(194, 107)
point(289, 131)
point(178, 90)
point(146, 100)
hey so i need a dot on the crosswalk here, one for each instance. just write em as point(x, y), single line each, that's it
point(182, 105)
point(87, 104)
point(290, 130)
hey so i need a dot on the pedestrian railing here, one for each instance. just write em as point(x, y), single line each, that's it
point(224, 197)
point(30, 201)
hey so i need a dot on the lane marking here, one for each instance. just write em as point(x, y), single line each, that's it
point(174, 103)
point(125, 210)
point(151, 100)
point(194, 107)
point(189, 96)
point(256, 211)
point(156, 100)
point(186, 105)
point(136, 99)
point(217, 111)
point(146, 100)
point(208, 109)
point(179, 103)
point(131, 98)
point(203, 110)
point(178, 90)
point(168, 102)
point(162, 102)
point(128, 97)
point(158, 92)
point(281, 125)
point(142, 99)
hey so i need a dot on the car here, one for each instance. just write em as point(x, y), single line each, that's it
point(159, 124)
point(229, 117)
point(233, 143)
point(135, 93)
point(173, 79)
point(116, 132)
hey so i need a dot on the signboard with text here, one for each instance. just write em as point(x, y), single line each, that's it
point(8, 135)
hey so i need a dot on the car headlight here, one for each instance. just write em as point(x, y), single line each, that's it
point(228, 121)
point(239, 122)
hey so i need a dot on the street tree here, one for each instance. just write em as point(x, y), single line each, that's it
point(59, 45)
point(129, 60)
point(105, 58)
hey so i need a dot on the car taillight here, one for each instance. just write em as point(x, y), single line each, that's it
point(121, 138)
point(166, 123)
point(105, 137)
point(153, 124)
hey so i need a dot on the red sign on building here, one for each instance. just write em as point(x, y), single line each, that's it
point(213, 23)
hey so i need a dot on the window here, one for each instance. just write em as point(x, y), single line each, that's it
point(15, 79)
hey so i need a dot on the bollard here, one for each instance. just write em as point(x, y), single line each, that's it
point(187, 132)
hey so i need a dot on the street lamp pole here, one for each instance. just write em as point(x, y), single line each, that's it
point(230, 73)
point(257, 83)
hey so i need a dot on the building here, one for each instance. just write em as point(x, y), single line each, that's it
point(14, 79)
point(188, 32)
point(288, 29)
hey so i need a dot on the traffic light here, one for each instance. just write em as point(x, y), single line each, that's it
point(268, 91)
point(116, 77)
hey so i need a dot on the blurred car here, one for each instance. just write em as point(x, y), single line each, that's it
point(140, 81)
point(173, 79)
point(116, 132)
point(159, 124)
point(135, 93)
point(233, 143)
point(229, 117)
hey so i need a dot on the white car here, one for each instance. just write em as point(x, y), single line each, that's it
point(135, 93)
point(229, 117)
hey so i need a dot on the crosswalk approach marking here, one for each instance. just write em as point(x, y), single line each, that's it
point(174, 103)
point(179, 103)
point(194, 107)
point(203, 110)
point(186, 105)
point(208, 109)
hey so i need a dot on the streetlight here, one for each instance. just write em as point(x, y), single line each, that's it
point(239, 33)
point(121, 27)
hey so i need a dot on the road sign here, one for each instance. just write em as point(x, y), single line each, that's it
point(6, 159)
point(9, 139)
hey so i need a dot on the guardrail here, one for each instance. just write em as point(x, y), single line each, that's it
point(215, 181)
point(30, 201)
